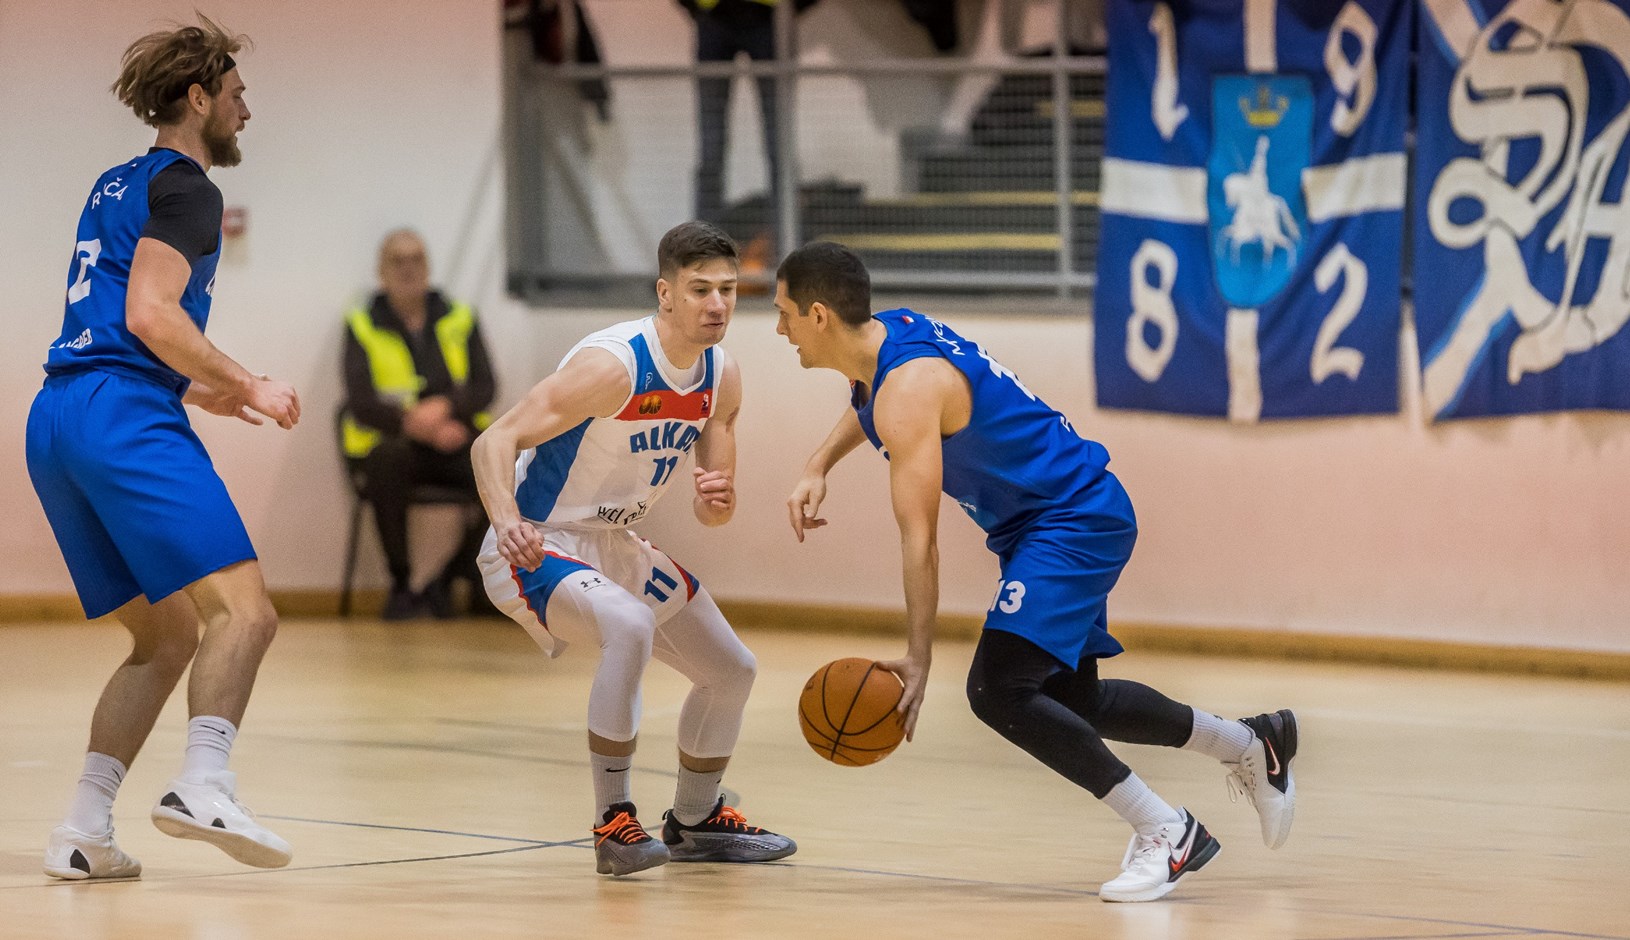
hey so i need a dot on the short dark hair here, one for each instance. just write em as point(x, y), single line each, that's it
point(693, 243)
point(831, 274)
point(159, 68)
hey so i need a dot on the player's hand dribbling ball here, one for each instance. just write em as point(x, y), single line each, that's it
point(847, 712)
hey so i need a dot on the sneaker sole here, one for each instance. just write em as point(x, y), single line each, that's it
point(615, 868)
point(1281, 833)
point(1161, 890)
point(240, 847)
point(74, 874)
point(728, 855)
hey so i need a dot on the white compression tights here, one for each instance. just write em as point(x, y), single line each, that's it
point(697, 642)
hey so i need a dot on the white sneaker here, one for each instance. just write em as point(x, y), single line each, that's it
point(74, 856)
point(209, 811)
point(1154, 862)
point(1263, 774)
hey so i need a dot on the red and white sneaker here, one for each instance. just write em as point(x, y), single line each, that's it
point(1155, 861)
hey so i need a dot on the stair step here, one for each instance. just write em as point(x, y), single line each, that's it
point(909, 214)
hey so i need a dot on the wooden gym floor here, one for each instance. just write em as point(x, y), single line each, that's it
point(433, 781)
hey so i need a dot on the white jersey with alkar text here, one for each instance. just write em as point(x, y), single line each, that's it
point(606, 473)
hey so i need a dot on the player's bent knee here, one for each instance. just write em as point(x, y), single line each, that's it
point(167, 654)
point(994, 703)
point(982, 702)
point(742, 671)
point(256, 622)
point(175, 650)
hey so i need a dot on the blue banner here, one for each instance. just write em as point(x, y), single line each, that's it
point(1522, 225)
point(1252, 206)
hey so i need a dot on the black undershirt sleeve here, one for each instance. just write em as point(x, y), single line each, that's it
point(362, 400)
point(184, 210)
point(481, 386)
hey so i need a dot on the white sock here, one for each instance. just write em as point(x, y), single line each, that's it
point(610, 780)
point(1134, 802)
point(92, 809)
point(698, 793)
point(209, 745)
point(1219, 738)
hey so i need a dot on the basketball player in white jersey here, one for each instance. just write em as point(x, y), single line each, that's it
point(563, 475)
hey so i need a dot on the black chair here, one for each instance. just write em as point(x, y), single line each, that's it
point(425, 494)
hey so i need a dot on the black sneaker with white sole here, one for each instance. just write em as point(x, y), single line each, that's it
point(1264, 773)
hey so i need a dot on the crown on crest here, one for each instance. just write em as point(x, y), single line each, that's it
point(1267, 110)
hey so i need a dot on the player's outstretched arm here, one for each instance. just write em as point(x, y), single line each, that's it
point(908, 418)
point(158, 277)
point(592, 384)
point(715, 472)
point(804, 505)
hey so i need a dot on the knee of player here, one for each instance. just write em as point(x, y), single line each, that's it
point(256, 621)
point(742, 669)
point(169, 653)
point(992, 703)
point(978, 699)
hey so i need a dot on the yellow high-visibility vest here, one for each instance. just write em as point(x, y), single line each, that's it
point(390, 364)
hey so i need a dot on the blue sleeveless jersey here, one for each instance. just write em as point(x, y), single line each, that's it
point(1018, 461)
point(94, 334)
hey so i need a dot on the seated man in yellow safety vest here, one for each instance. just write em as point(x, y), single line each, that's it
point(418, 382)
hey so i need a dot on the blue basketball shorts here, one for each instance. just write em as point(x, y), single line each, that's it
point(1056, 578)
point(134, 501)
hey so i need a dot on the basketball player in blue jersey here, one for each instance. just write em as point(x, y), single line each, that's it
point(144, 523)
point(950, 418)
point(563, 475)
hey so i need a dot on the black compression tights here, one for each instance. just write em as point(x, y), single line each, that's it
point(1061, 718)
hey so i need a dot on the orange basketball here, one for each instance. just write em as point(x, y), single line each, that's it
point(847, 712)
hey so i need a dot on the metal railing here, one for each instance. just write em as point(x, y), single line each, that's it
point(1007, 204)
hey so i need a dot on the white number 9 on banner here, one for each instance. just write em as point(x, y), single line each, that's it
point(1353, 78)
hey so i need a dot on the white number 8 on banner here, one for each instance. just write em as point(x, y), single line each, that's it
point(1152, 306)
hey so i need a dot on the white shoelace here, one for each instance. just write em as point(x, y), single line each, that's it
point(1240, 783)
point(1141, 847)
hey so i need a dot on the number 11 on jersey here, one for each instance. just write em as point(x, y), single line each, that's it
point(665, 469)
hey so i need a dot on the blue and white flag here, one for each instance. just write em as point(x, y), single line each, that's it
point(1252, 200)
point(1522, 231)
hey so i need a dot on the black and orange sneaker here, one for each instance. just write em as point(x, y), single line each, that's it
point(622, 846)
point(724, 836)
point(1263, 774)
